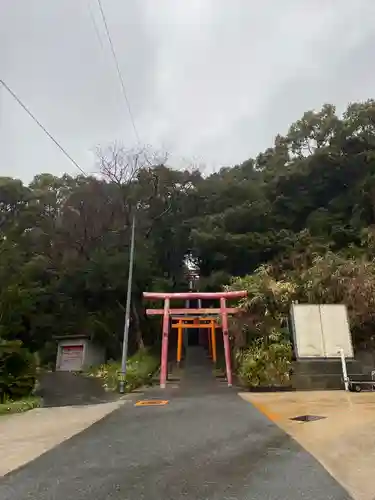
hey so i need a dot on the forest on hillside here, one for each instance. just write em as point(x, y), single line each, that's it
point(295, 223)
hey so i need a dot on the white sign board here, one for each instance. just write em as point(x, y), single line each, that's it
point(308, 333)
point(336, 331)
point(71, 357)
point(320, 331)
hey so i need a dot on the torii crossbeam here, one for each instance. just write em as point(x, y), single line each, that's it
point(168, 313)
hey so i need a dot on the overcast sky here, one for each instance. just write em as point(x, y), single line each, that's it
point(211, 81)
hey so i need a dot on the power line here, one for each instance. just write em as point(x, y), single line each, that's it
point(118, 70)
point(92, 17)
point(41, 126)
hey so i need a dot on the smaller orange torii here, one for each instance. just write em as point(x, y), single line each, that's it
point(196, 322)
point(205, 317)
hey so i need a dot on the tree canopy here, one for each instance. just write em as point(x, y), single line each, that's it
point(305, 207)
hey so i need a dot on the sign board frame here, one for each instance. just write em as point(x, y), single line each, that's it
point(320, 331)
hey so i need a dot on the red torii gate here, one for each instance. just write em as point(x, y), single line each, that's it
point(166, 312)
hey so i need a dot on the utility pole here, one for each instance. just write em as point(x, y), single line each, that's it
point(127, 311)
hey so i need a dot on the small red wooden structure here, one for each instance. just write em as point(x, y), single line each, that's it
point(202, 313)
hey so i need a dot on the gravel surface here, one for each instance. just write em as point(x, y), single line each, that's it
point(206, 443)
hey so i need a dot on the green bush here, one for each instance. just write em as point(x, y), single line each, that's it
point(19, 406)
point(265, 363)
point(17, 371)
point(139, 370)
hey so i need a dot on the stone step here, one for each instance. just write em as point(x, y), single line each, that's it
point(329, 367)
point(317, 382)
point(360, 376)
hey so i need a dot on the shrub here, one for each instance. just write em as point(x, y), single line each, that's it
point(17, 371)
point(265, 363)
point(139, 370)
point(20, 406)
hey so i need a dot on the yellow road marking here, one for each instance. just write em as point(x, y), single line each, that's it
point(264, 409)
point(152, 402)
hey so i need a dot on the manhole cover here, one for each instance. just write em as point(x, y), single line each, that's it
point(152, 402)
point(307, 418)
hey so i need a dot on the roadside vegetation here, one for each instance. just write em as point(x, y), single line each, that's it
point(296, 222)
point(20, 405)
point(17, 378)
point(140, 369)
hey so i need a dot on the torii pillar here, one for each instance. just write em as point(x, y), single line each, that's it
point(166, 312)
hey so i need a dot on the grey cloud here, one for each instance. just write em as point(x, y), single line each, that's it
point(211, 80)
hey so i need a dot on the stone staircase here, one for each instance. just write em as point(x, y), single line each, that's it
point(324, 374)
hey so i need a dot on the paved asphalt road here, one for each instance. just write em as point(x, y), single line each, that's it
point(206, 443)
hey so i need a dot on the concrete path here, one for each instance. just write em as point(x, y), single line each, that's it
point(26, 436)
point(207, 443)
point(343, 441)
